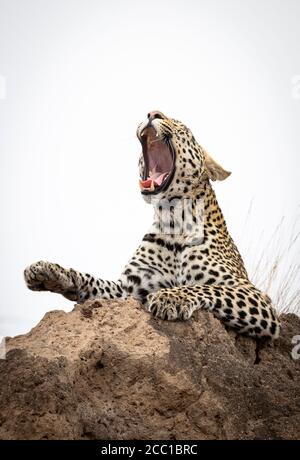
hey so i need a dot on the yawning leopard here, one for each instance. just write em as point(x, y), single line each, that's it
point(188, 260)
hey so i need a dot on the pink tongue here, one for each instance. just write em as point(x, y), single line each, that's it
point(156, 178)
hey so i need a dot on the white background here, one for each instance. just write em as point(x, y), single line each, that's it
point(76, 79)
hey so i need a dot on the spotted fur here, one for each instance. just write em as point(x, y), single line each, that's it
point(176, 273)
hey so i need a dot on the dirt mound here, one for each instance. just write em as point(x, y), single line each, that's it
point(107, 370)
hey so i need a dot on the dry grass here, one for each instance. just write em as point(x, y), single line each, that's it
point(275, 269)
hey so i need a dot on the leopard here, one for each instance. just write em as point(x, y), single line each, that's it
point(187, 261)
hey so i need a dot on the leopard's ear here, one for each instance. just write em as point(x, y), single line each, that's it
point(213, 169)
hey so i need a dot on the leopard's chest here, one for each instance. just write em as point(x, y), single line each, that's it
point(199, 265)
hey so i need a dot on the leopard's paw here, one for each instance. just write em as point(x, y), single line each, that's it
point(170, 305)
point(46, 276)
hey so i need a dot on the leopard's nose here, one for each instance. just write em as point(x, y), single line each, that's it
point(155, 114)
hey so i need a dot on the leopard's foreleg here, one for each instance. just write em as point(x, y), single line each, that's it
point(75, 286)
point(244, 307)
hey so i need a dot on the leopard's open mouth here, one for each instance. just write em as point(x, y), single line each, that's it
point(159, 158)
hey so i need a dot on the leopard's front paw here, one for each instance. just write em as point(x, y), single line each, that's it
point(170, 305)
point(46, 276)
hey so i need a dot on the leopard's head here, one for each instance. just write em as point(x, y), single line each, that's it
point(172, 163)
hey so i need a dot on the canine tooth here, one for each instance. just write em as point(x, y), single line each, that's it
point(152, 186)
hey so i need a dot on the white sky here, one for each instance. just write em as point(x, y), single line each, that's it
point(76, 78)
